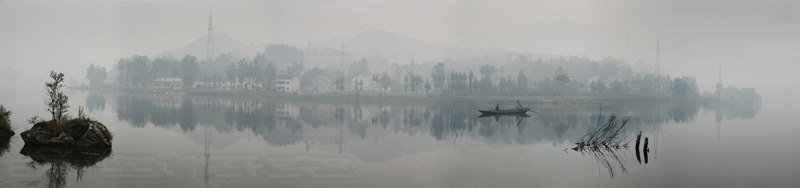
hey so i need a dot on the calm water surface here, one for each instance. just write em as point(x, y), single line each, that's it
point(180, 141)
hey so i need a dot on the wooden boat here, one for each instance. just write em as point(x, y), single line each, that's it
point(509, 115)
point(512, 111)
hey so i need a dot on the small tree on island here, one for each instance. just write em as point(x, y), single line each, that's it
point(63, 130)
point(5, 122)
point(57, 102)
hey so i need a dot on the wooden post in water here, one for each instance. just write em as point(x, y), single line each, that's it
point(645, 150)
point(638, 138)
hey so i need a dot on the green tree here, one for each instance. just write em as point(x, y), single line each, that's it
point(57, 102)
point(471, 86)
point(597, 86)
point(385, 80)
point(139, 70)
point(405, 81)
point(134, 71)
point(295, 69)
point(308, 77)
point(189, 69)
point(231, 73)
point(438, 75)
point(5, 121)
point(162, 66)
point(522, 83)
point(339, 84)
point(487, 70)
point(560, 82)
point(270, 71)
point(96, 74)
point(358, 86)
point(414, 82)
point(358, 68)
point(427, 86)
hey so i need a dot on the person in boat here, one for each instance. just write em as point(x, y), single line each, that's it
point(497, 108)
point(519, 106)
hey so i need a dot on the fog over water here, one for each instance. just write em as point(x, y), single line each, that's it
point(719, 110)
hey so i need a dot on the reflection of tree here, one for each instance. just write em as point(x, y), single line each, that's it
point(683, 112)
point(307, 116)
point(609, 158)
point(5, 143)
point(134, 109)
point(440, 121)
point(63, 160)
point(188, 115)
point(95, 101)
point(734, 110)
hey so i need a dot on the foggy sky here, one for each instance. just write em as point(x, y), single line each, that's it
point(755, 42)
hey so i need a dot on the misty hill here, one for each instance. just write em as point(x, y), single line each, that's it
point(399, 49)
point(372, 43)
point(223, 43)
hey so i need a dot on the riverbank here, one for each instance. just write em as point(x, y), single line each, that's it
point(348, 97)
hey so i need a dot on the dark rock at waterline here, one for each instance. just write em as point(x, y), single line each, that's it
point(42, 135)
point(79, 156)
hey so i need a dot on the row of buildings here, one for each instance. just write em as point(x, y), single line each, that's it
point(287, 84)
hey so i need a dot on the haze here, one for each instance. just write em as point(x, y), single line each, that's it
point(755, 42)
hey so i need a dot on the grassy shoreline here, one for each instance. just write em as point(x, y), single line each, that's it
point(417, 98)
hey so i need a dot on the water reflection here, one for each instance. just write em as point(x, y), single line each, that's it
point(5, 143)
point(609, 158)
point(63, 160)
point(95, 101)
point(285, 123)
point(517, 117)
point(733, 111)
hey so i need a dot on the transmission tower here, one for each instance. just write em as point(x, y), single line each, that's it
point(720, 74)
point(658, 59)
point(210, 47)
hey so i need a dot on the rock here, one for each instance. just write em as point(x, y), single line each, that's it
point(76, 155)
point(40, 135)
point(94, 136)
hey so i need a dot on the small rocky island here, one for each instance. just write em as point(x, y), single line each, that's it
point(64, 130)
point(76, 132)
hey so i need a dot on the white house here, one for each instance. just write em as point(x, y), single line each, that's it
point(287, 83)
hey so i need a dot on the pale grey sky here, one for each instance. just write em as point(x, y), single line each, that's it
point(754, 41)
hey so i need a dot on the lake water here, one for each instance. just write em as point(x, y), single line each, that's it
point(181, 141)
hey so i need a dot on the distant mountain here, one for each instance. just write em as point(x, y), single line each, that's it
point(402, 50)
point(222, 44)
point(387, 45)
point(371, 43)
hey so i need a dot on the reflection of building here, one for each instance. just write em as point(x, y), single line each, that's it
point(287, 83)
point(287, 110)
point(322, 84)
point(321, 111)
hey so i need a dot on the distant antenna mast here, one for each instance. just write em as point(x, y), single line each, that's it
point(720, 74)
point(658, 59)
point(210, 48)
point(628, 59)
